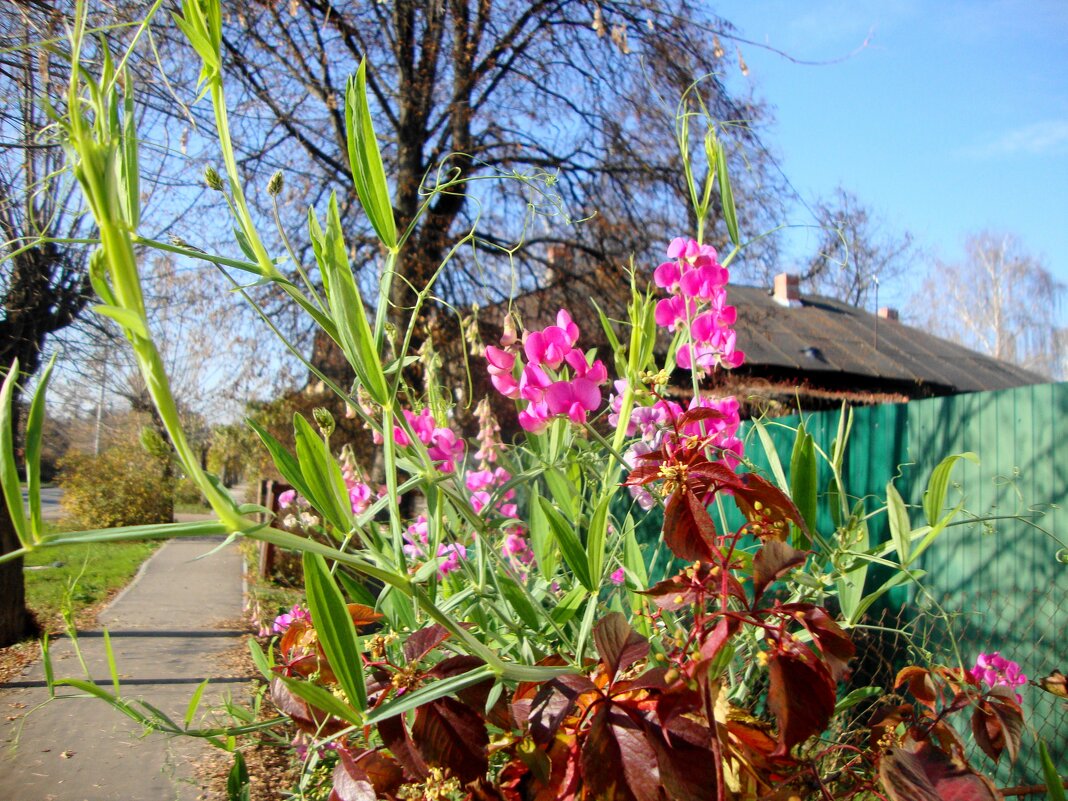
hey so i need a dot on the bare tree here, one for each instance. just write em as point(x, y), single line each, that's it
point(43, 283)
point(855, 254)
point(1001, 300)
point(576, 98)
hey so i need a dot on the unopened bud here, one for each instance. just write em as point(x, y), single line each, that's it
point(509, 336)
point(213, 179)
point(324, 420)
point(274, 186)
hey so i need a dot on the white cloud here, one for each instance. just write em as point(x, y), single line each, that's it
point(1037, 139)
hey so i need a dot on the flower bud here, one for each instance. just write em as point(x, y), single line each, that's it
point(213, 179)
point(274, 186)
point(324, 420)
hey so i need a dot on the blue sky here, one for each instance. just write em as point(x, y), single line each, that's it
point(952, 118)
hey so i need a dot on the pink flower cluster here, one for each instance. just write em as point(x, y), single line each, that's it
point(557, 380)
point(698, 286)
point(441, 443)
point(994, 669)
point(287, 619)
point(482, 483)
point(417, 538)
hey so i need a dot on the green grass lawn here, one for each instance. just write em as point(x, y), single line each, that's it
point(88, 575)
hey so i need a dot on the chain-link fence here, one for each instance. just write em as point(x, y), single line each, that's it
point(1017, 624)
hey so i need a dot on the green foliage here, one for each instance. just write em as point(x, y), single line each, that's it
point(123, 486)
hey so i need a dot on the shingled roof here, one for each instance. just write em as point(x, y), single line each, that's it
point(818, 341)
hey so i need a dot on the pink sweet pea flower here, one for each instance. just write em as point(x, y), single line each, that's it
point(667, 276)
point(618, 576)
point(453, 553)
point(564, 322)
point(287, 619)
point(573, 398)
point(993, 669)
point(535, 418)
point(286, 498)
point(547, 347)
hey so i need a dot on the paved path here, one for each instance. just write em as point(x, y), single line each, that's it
point(167, 630)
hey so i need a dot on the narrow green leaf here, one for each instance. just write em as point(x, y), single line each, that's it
point(726, 196)
point(335, 629)
point(34, 432)
point(541, 541)
point(113, 669)
point(900, 525)
point(570, 545)
point(322, 476)
point(772, 455)
point(365, 161)
point(238, 787)
point(428, 693)
point(194, 702)
point(49, 670)
point(633, 561)
point(9, 474)
point(803, 479)
point(520, 602)
point(1054, 782)
point(260, 659)
point(321, 698)
point(934, 498)
point(283, 460)
point(854, 697)
point(567, 606)
point(127, 318)
point(596, 538)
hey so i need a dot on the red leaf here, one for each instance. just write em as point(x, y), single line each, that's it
point(919, 684)
point(422, 642)
point(450, 735)
point(720, 636)
point(306, 717)
point(698, 414)
point(771, 563)
point(363, 615)
point(801, 695)
point(395, 736)
point(554, 702)
point(767, 508)
point(682, 533)
point(927, 774)
point(618, 645)
point(350, 782)
point(617, 760)
point(835, 645)
point(643, 474)
point(997, 724)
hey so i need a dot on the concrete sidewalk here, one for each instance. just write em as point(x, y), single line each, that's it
point(167, 630)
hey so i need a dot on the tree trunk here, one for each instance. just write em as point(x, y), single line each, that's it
point(15, 622)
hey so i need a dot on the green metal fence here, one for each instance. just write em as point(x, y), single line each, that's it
point(1004, 581)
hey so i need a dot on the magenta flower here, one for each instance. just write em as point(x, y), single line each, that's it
point(453, 554)
point(287, 619)
point(287, 498)
point(574, 398)
point(618, 576)
point(993, 669)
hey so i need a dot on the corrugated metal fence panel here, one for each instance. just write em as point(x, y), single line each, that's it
point(1000, 579)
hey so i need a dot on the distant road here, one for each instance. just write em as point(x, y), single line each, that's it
point(49, 502)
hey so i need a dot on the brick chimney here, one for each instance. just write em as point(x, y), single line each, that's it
point(787, 291)
point(887, 313)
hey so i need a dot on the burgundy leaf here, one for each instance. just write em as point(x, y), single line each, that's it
point(688, 528)
point(306, 717)
point(801, 695)
point(698, 414)
point(767, 508)
point(618, 645)
point(450, 735)
point(617, 760)
point(643, 474)
point(422, 642)
point(554, 702)
point(997, 724)
point(720, 636)
point(927, 774)
point(771, 563)
point(920, 686)
point(395, 736)
point(350, 782)
point(687, 766)
point(835, 645)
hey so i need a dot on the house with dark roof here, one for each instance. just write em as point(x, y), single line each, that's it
point(802, 351)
